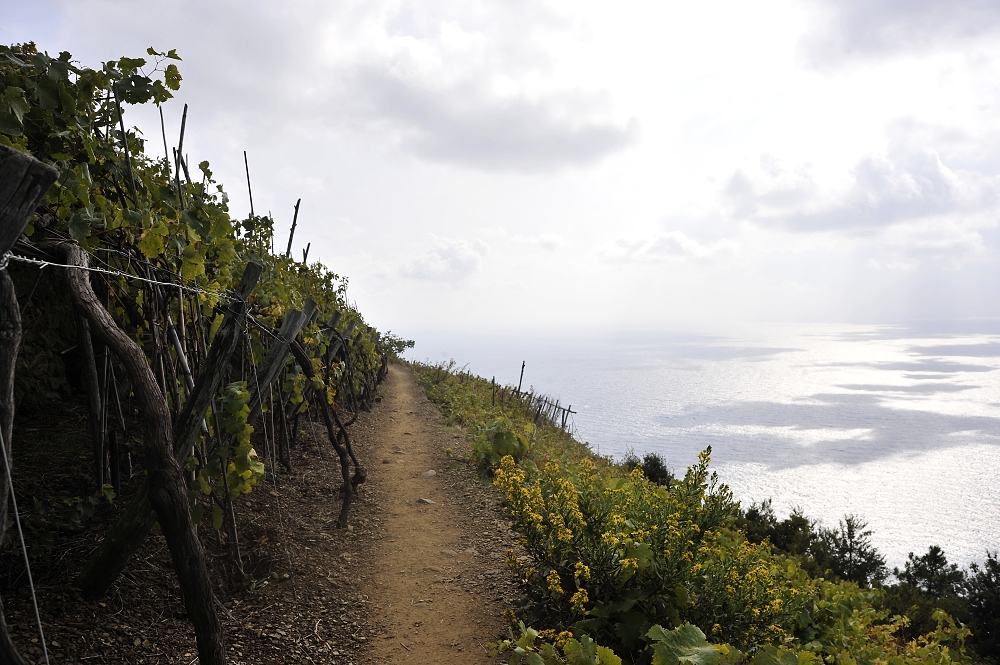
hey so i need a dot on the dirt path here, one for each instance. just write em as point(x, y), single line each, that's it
point(440, 585)
point(408, 582)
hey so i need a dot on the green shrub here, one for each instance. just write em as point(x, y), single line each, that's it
point(501, 437)
point(614, 556)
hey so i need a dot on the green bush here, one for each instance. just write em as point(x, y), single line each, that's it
point(613, 556)
point(501, 437)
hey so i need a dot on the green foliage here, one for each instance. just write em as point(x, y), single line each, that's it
point(686, 645)
point(849, 553)
point(469, 400)
point(843, 553)
point(640, 555)
point(501, 437)
point(653, 467)
point(650, 571)
point(543, 648)
point(394, 345)
point(982, 592)
point(931, 573)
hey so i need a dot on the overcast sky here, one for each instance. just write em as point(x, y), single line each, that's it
point(508, 166)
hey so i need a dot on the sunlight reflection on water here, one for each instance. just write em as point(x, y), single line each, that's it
point(895, 425)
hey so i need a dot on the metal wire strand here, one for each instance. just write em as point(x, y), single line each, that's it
point(222, 295)
point(24, 547)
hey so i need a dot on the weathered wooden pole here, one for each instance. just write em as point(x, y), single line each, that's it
point(274, 361)
point(23, 182)
point(291, 234)
point(92, 386)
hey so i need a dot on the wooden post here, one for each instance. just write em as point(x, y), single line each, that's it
point(23, 182)
point(350, 329)
point(291, 234)
point(91, 385)
point(274, 361)
point(521, 380)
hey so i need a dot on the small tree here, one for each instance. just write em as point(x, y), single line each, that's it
point(931, 573)
point(982, 592)
point(927, 583)
point(849, 554)
point(656, 469)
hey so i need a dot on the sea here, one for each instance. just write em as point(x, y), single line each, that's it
point(899, 425)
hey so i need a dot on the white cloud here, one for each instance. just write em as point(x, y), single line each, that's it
point(468, 123)
point(665, 246)
point(470, 85)
point(902, 185)
point(447, 260)
point(547, 241)
point(850, 28)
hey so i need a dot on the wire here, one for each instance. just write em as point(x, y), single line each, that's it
point(222, 295)
point(24, 547)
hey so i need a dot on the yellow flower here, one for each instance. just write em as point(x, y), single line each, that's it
point(630, 564)
point(513, 563)
point(582, 571)
point(562, 638)
point(555, 585)
point(548, 635)
point(579, 600)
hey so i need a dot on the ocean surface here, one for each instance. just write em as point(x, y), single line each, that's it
point(899, 425)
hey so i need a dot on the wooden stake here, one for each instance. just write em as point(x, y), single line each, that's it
point(291, 234)
point(249, 190)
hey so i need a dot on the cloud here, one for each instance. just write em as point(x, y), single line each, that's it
point(473, 84)
point(903, 185)
point(447, 260)
point(548, 241)
point(851, 28)
point(666, 246)
point(468, 124)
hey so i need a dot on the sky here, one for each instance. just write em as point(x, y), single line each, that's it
point(521, 167)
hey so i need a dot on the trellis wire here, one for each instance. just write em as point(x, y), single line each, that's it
point(222, 295)
point(24, 547)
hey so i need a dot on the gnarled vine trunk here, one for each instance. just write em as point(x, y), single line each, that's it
point(133, 525)
point(167, 485)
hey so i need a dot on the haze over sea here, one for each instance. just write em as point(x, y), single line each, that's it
point(897, 424)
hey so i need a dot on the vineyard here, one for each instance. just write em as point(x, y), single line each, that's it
point(199, 349)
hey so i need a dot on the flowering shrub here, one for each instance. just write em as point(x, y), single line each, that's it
point(615, 555)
